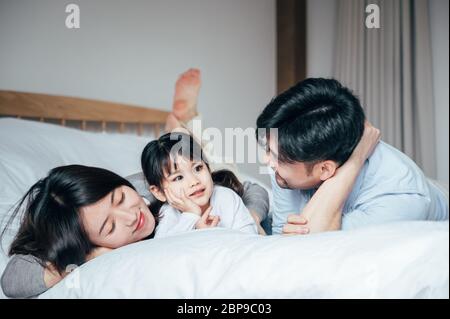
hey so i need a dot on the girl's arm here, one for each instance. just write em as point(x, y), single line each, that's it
point(324, 211)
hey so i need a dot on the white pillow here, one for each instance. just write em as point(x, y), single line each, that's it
point(28, 150)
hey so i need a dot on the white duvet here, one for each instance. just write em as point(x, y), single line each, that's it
point(400, 260)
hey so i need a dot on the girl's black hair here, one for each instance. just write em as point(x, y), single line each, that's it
point(158, 154)
point(51, 228)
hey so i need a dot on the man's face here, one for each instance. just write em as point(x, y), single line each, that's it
point(292, 175)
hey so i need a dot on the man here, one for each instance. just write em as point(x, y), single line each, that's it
point(319, 123)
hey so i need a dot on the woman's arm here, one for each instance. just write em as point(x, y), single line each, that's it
point(256, 199)
point(24, 277)
point(324, 211)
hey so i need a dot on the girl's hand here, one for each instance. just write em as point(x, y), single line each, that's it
point(207, 221)
point(367, 144)
point(183, 204)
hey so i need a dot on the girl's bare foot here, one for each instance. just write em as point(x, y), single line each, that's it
point(174, 125)
point(186, 95)
point(184, 106)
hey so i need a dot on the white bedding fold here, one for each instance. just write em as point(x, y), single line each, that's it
point(400, 260)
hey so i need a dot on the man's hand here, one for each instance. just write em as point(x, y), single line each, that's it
point(296, 225)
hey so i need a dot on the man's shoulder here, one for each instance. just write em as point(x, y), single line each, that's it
point(387, 158)
point(390, 170)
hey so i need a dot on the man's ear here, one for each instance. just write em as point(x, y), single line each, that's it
point(327, 169)
point(156, 191)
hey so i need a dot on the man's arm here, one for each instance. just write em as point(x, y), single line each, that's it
point(387, 208)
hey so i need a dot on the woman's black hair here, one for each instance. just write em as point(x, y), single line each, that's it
point(51, 228)
point(158, 154)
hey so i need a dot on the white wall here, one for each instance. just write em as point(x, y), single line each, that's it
point(439, 25)
point(133, 51)
point(321, 42)
point(321, 21)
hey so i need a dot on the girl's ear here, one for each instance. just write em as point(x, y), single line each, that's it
point(156, 191)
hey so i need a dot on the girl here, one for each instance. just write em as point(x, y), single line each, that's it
point(190, 196)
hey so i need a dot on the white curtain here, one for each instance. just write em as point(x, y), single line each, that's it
point(390, 68)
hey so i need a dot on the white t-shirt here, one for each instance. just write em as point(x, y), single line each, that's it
point(225, 203)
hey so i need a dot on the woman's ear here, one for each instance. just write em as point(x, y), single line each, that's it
point(328, 169)
point(156, 191)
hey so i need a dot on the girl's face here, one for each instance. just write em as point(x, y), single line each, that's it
point(119, 219)
point(191, 177)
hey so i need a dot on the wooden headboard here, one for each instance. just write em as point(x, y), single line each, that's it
point(62, 109)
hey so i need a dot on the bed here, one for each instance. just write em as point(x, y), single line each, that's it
point(399, 260)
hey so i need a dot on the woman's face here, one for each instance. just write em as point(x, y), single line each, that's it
point(119, 219)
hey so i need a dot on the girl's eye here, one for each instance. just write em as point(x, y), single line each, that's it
point(198, 168)
point(178, 178)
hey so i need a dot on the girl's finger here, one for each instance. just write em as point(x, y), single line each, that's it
point(168, 197)
point(208, 210)
point(184, 197)
point(205, 215)
point(215, 221)
point(172, 198)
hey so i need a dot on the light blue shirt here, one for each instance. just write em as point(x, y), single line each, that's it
point(390, 187)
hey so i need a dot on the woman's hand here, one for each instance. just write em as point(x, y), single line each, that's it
point(207, 221)
point(255, 217)
point(97, 252)
point(367, 144)
point(183, 203)
point(52, 276)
